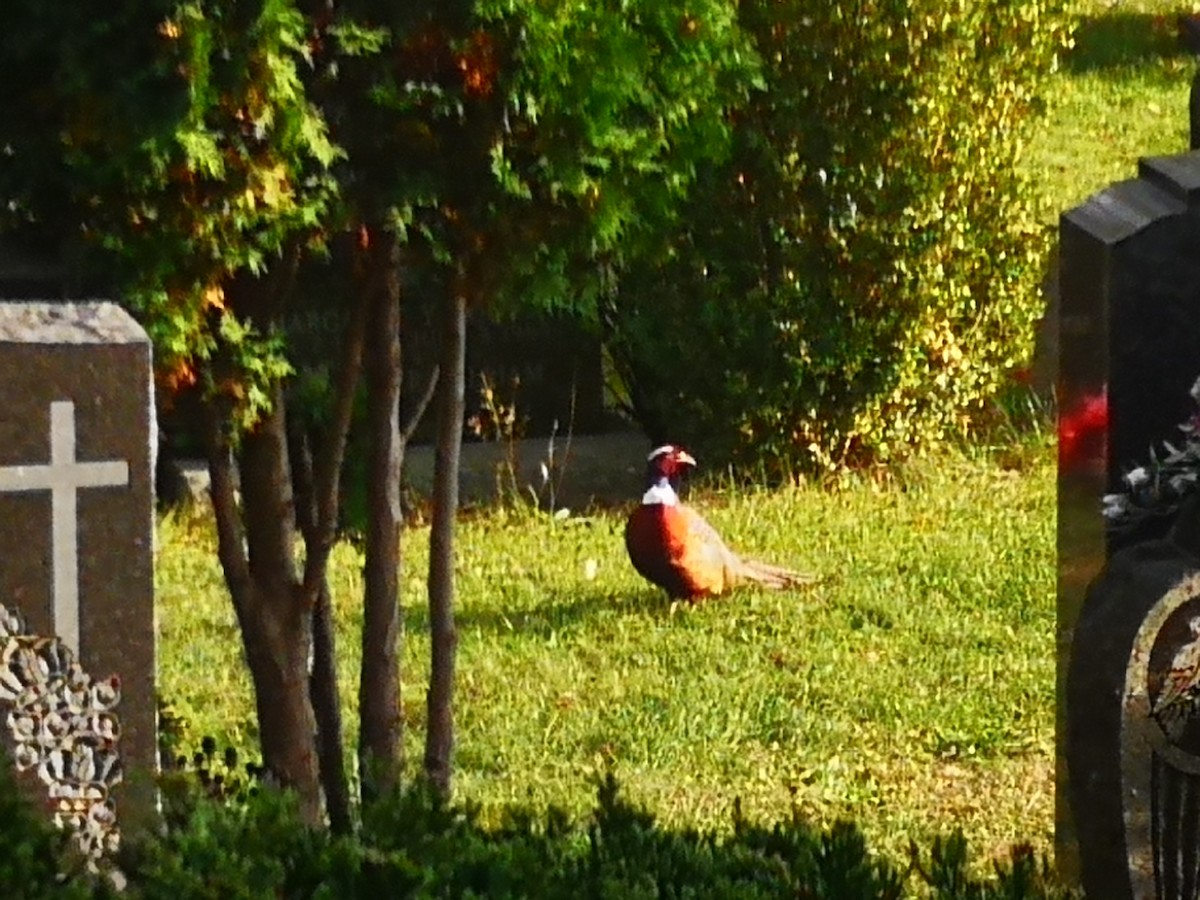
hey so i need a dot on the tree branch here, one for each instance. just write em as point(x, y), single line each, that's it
point(283, 280)
point(300, 458)
point(326, 483)
point(322, 680)
point(268, 503)
point(418, 412)
point(380, 741)
point(231, 545)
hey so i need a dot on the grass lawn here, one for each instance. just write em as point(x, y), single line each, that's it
point(1121, 94)
point(912, 691)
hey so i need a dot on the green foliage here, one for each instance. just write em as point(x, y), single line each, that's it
point(36, 861)
point(861, 276)
point(632, 856)
point(179, 137)
point(613, 105)
point(535, 136)
point(234, 851)
point(949, 877)
point(204, 774)
point(410, 844)
point(205, 144)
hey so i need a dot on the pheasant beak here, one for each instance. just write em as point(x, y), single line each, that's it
point(684, 457)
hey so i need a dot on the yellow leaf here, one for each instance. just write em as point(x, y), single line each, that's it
point(214, 296)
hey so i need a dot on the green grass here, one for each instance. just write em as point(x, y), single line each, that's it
point(1121, 94)
point(911, 691)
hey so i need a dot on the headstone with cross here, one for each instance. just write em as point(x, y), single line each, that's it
point(1128, 601)
point(77, 631)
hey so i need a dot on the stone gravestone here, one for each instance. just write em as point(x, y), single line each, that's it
point(77, 634)
point(1129, 354)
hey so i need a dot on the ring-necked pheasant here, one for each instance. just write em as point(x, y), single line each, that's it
point(672, 546)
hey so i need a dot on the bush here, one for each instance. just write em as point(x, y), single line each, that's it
point(412, 845)
point(250, 844)
point(947, 875)
point(862, 275)
point(37, 861)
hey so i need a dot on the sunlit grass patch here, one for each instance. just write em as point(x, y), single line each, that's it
point(915, 678)
point(1122, 94)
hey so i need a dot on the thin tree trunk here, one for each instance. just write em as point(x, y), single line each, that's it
point(439, 737)
point(260, 573)
point(327, 707)
point(322, 679)
point(380, 737)
point(318, 490)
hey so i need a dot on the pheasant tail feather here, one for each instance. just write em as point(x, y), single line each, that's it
point(775, 577)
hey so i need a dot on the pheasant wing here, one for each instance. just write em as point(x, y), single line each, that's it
point(708, 546)
point(706, 555)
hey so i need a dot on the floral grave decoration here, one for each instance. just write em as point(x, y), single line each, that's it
point(63, 726)
point(1159, 488)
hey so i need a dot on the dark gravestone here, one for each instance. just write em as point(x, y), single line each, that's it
point(77, 635)
point(1134, 676)
point(1129, 353)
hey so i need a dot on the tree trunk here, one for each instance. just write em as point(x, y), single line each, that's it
point(318, 489)
point(439, 737)
point(323, 688)
point(260, 571)
point(380, 747)
point(322, 680)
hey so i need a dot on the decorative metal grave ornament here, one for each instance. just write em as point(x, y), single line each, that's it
point(63, 724)
point(1133, 690)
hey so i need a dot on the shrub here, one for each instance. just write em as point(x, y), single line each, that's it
point(631, 856)
point(861, 277)
point(37, 861)
point(947, 874)
point(243, 849)
point(413, 845)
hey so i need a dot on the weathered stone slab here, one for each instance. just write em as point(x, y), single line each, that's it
point(76, 542)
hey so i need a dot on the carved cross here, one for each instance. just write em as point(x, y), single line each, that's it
point(63, 477)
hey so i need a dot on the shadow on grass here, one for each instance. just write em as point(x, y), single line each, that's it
point(559, 611)
point(1119, 39)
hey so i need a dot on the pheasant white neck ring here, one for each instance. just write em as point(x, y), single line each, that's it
point(660, 493)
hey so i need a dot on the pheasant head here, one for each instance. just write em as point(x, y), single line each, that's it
point(663, 467)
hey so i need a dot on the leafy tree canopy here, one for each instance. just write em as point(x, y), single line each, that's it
point(512, 140)
point(177, 136)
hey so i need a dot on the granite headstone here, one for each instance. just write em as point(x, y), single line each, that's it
point(1129, 354)
point(77, 629)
